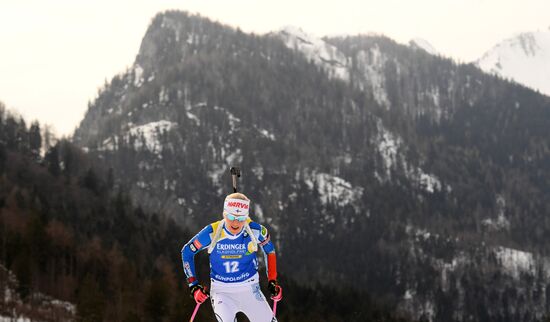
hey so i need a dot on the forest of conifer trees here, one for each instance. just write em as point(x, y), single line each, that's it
point(69, 232)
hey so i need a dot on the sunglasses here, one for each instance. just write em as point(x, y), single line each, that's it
point(239, 218)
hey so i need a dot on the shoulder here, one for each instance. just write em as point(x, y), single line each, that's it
point(259, 228)
point(254, 225)
point(210, 228)
point(213, 226)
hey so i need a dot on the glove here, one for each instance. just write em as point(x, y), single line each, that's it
point(275, 290)
point(199, 293)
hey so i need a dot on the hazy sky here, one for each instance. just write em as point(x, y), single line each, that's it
point(55, 54)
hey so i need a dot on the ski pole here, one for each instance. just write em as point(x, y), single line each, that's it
point(275, 308)
point(195, 312)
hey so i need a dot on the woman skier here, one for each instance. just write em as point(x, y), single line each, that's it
point(232, 244)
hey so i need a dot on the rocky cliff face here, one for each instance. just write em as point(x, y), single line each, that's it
point(375, 165)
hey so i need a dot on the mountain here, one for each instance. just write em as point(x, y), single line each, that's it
point(316, 50)
point(73, 247)
point(525, 58)
point(424, 45)
point(376, 166)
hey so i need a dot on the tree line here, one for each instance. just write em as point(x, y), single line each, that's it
point(71, 231)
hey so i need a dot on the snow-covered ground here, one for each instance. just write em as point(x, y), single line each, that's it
point(150, 133)
point(500, 222)
point(316, 50)
point(138, 75)
point(389, 146)
point(11, 301)
point(371, 64)
point(146, 136)
point(424, 45)
point(333, 189)
point(233, 120)
point(388, 143)
point(514, 262)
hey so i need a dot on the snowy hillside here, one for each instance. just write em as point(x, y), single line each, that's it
point(524, 58)
point(424, 45)
point(370, 63)
point(317, 50)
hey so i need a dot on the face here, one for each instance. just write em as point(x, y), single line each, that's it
point(234, 226)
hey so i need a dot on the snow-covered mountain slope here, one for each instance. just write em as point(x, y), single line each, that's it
point(317, 50)
point(370, 63)
point(424, 45)
point(524, 58)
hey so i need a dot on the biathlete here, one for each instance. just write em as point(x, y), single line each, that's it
point(232, 244)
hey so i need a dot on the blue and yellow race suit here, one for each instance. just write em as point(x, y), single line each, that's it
point(233, 258)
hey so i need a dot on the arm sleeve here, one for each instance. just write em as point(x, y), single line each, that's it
point(199, 242)
point(264, 240)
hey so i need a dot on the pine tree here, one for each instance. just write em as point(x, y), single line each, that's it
point(35, 139)
point(157, 300)
point(52, 161)
point(91, 301)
